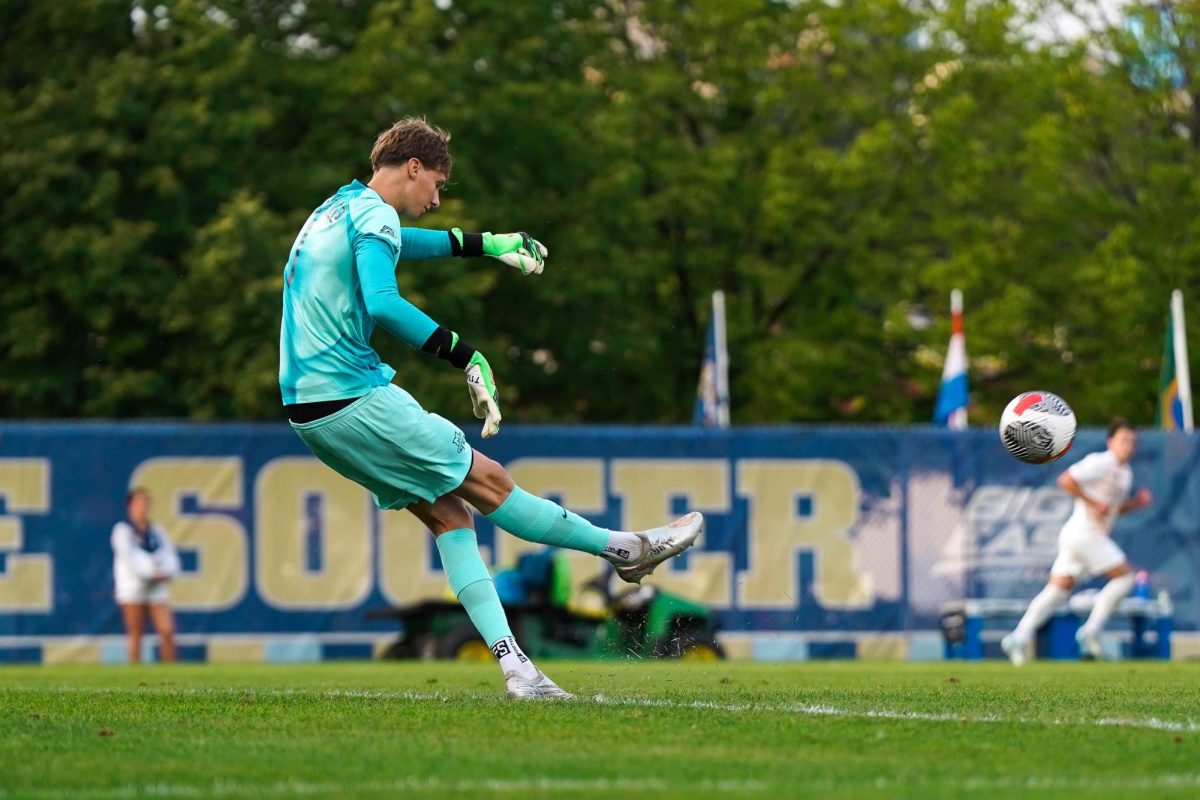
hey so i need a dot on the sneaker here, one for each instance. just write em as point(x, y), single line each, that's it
point(659, 544)
point(537, 688)
point(1014, 649)
point(1089, 644)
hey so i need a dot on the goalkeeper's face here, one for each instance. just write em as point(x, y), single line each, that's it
point(423, 189)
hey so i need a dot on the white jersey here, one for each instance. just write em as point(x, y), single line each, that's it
point(138, 559)
point(1103, 479)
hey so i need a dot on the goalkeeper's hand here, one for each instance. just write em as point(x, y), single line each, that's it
point(485, 401)
point(519, 250)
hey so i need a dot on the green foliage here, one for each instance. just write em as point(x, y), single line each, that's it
point(836, 168)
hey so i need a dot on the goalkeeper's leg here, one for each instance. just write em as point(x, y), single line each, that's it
point(450, 521)
point(489, 488)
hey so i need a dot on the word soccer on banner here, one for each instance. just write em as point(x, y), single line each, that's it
point(820, 542)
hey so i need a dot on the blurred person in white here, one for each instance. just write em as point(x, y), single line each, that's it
point(144, 562)
point(1101, 485)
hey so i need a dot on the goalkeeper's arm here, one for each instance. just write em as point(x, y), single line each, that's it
point(376, 260)
point(519, 250)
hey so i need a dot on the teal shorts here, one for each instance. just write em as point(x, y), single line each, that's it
point(387, 443)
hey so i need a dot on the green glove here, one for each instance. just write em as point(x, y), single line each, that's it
point(485, 401)
point(518, 250)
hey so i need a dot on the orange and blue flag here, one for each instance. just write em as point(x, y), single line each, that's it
point(951, 410)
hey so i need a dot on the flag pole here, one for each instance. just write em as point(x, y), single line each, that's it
point(1182, 373)
point(722, 356)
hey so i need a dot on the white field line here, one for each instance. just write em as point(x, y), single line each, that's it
point(1151, 723)
point(802, 709)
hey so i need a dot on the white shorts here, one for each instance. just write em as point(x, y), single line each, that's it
point(1086, 554)
point(139, 592)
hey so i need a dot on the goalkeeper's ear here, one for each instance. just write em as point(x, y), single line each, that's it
point(463, 245)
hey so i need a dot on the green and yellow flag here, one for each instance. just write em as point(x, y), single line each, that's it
point(1174, 382)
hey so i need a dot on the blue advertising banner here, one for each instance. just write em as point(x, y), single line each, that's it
point(809, 529)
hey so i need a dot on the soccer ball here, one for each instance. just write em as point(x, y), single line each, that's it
point(1037, 427)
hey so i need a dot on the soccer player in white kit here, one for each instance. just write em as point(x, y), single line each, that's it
point(144, 562)
point(1100, 484)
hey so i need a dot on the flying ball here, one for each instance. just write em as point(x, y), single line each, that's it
point(1037, 427)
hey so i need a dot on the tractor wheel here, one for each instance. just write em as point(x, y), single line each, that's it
point(710, 650)
point(692, 646)
point(463, 644)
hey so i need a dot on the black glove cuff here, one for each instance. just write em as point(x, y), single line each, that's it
point(441, 344)
point(472, 245)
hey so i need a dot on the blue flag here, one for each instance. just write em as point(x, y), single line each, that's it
point(712, 392)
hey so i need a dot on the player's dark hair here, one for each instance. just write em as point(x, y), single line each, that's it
point(134, 492)
point(413, 137)
point(1117, 424)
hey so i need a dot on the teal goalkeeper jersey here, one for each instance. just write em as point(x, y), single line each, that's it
point(325, 348)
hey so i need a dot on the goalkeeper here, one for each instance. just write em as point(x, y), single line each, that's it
point(338, 283)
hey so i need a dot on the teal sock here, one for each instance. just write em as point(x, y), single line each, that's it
point(536, 520)
point(472, 584)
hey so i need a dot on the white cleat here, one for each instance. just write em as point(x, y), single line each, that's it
point(537, 688)
point(1015, 650)
point(1089, 644)
point(659, 544)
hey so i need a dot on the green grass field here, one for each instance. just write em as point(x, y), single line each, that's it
point(661, 730)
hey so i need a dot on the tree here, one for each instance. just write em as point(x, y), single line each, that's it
point(836, 168)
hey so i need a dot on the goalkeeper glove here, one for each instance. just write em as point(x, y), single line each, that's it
point(485, 401)
point(518, 250)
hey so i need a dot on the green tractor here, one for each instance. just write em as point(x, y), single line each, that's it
point(642, 622)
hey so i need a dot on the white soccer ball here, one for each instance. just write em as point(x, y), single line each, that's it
point(1037, 427)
